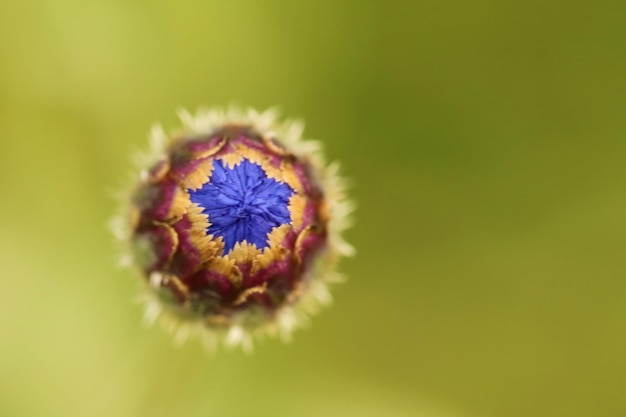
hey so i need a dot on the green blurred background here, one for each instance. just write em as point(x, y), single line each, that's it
point(486, 142)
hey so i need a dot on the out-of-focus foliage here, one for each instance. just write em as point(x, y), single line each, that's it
point(486, 141)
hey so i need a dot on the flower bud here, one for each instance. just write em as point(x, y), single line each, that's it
point(236, 226)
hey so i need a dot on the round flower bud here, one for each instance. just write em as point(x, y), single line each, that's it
point(235, 224)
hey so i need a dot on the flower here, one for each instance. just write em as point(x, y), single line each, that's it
point(235, 224)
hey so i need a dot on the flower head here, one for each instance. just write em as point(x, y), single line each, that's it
point(236, 226)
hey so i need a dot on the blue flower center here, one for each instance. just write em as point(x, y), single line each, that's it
point(243, 203)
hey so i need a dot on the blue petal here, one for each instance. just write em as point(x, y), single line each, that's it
point(243, 203)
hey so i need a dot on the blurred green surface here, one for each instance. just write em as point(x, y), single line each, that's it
point(486, 141)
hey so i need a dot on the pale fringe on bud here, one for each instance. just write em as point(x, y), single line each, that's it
point(291, 316)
